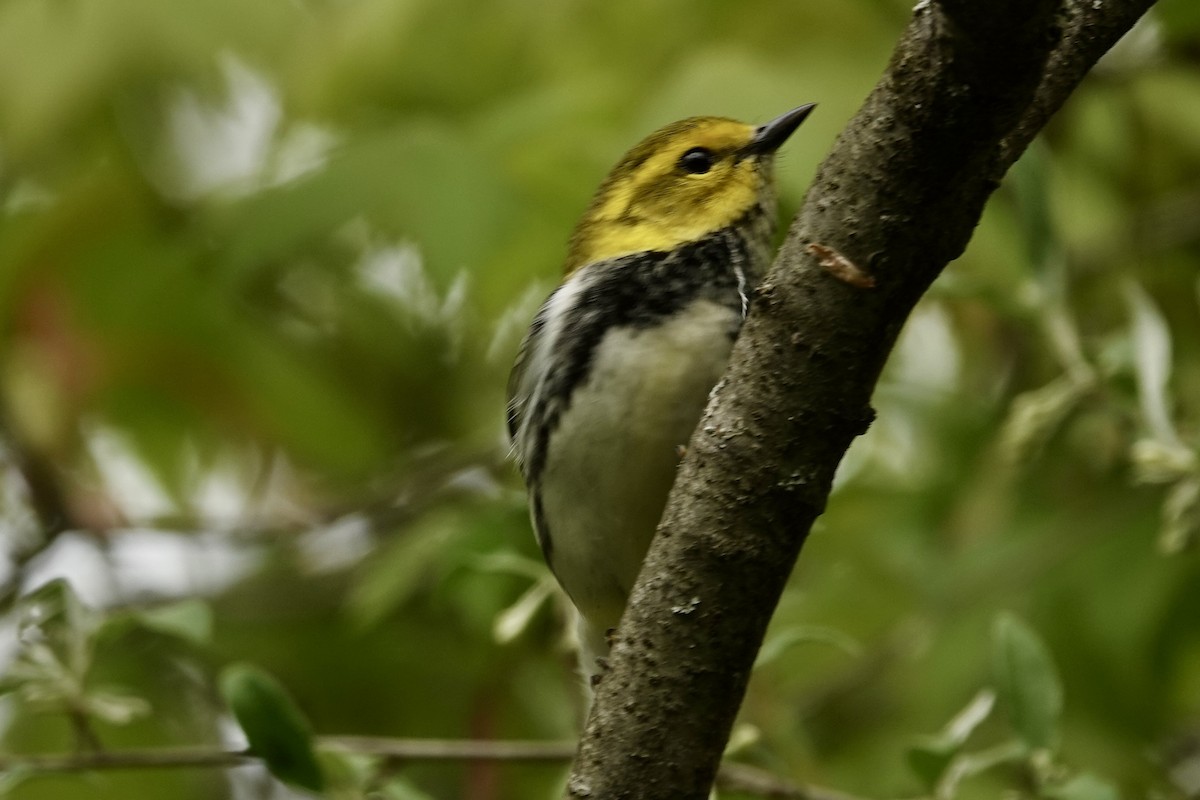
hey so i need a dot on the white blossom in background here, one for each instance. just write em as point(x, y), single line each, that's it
point(128, 482)
point(238, 144)
point(338, 545)
point(1152, 362)
point(238, 487)
point(303, 148)
point(396, 272)
point(160, 564)
point(78, 559)
point(927, 356)
point(223, 145)
point(140, 561)
point(924, 371)
point(137, 563)
point(219, 498)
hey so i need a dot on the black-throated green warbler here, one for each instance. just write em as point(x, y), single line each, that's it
point(616, 368)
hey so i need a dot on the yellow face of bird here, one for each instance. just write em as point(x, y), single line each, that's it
point(682, 182)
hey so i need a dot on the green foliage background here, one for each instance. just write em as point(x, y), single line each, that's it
point(263, 269)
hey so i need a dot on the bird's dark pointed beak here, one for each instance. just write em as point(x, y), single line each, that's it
point(769, 137)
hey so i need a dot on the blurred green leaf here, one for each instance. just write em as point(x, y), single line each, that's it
point(57, 638)
point(971, 717)
point(969, 765)
point(420, 182)
point(277, 730)
point(930, 755)
point(1029, 177)
point(1181, 517)
point(512, 621)
point(1180, 18)
point(102, 49)
point(393, 576)
point(511, 563)
point(55, 633)
point(1027, 682)
point(191, 620)
point(1036, 415)
point(14, 776)
point(117, 708)
point(1156, 461)
point(54, 614)
point(401, 789)
point(347, 775)
point(174, 331)
point(1084, 786)
point(1152, 360)
point(786, 639)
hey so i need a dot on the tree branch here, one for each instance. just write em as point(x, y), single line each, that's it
point(1088, 33)
point(968, 86)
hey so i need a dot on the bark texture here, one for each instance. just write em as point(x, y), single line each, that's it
point(968, 87)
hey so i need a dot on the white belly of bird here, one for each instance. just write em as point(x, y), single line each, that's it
point(615, 452)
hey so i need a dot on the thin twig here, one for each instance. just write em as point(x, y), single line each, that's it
point(208, 756)
point(152, 758)
point(761, 783)
point(452, 749)
point(47, 502)
point(86, 740)
point(733, 777)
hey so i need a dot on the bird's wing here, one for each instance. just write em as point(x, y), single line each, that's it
point(523, 380)
point(518, 393)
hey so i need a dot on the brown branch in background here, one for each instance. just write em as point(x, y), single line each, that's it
point(216, 757)
point(733, 777)
point(46, 497)
point(426, 485)
point(154, 758)
point(451, 749)
point(47, 501)
point(760, 783)
point(86, 739)
point(968, 86)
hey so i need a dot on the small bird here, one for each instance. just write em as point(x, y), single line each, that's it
point(615, 370)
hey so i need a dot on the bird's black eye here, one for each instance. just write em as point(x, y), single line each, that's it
point(697, 161)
